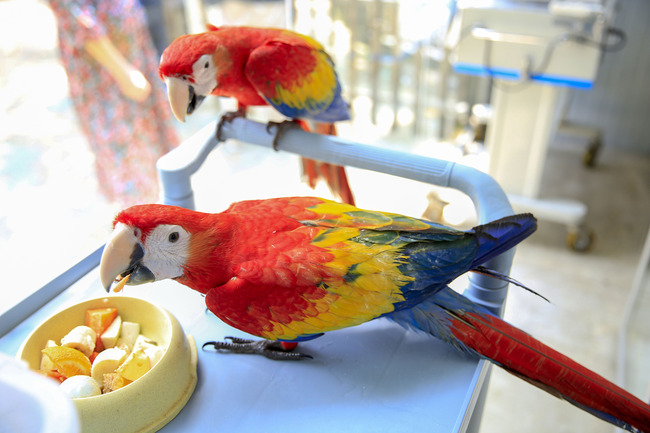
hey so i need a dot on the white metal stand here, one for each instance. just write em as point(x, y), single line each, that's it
point(526, 117)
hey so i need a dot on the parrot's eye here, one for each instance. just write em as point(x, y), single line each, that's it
point(173, 237)
point(206, 65)
point(136, 233)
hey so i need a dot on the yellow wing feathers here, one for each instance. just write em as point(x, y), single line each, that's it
point(364, 284)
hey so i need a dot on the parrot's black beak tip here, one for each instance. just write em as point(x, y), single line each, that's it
point(194, 101)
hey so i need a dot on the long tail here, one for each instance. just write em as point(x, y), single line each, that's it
point(334, 175)
point(458, 321)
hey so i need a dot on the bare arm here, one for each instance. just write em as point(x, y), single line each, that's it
point(132, 83)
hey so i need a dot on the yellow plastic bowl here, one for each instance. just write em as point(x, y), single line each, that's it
point(146, 404)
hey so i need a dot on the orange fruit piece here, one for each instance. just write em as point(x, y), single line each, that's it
point(53, 374)
point(68, 361)
point(98, 319)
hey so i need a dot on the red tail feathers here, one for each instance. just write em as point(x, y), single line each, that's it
point(334, 175)
point(533, 361)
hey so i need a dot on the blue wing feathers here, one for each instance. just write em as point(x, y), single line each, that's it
point(432, 317)
point(499, 236)
point(436, 256)
point(338, 110)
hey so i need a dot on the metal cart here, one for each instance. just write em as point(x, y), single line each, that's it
point(371, 378)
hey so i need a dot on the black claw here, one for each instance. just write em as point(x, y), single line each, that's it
point(228, 117)
point(281, 128)
point(269, 349)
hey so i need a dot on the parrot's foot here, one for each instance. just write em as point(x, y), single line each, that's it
point(275, 350)
point(281, 129)
point(229, 117)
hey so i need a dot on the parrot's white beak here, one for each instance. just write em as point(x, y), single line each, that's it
point(122, 260)
point(178, 92)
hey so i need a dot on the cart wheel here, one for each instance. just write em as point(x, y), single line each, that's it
point(580, 239)
point(589, 158)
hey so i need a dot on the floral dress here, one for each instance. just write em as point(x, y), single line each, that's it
point(127, 137)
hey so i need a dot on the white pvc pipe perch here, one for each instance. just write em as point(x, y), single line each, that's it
point(176, 168)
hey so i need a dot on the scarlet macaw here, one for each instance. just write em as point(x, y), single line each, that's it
point(290, 269)
point(259, 66)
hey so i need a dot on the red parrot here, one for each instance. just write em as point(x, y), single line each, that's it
point(290, 269)
point(260, 66)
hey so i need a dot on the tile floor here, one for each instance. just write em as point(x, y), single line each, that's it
point(588, 291)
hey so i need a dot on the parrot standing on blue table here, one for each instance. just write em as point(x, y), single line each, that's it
point(290, 269)
point(260, 66)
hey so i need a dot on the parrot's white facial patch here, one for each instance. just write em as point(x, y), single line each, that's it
point(205, 75)
point(166, 251)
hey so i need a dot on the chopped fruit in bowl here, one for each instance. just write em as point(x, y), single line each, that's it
point(104, 346)
point(130, 350)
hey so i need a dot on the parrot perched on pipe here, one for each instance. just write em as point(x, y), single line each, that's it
point(260, 66)
point(290, 269)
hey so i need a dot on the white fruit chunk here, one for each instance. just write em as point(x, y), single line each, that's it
point(128, 334)
point(80, 386)
point(107, 362)
point(110, 336)
point(150, 347)
point(81, 338)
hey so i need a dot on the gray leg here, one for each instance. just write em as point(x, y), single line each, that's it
point(270, 349)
